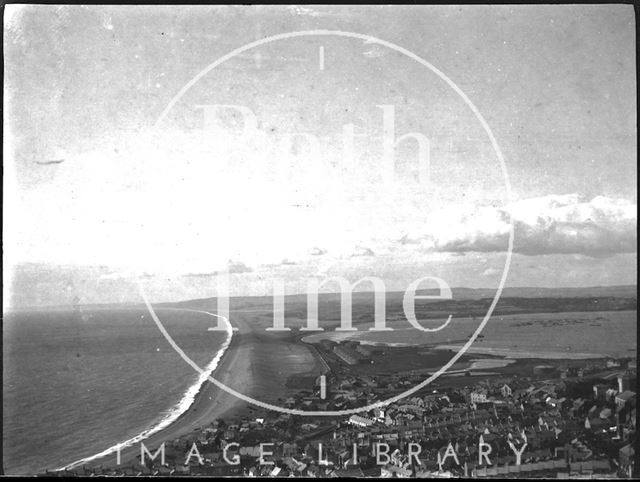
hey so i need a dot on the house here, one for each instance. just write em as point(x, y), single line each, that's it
point(347, 355)
point(506, 391)
point(379, 414)
point(626, 458)
point(605, 413)
point(348, 472)
point(327, 344)
point(389, 471)
point(359, 421)
point(626, 381)
point(250, 451)
point(367, 350)
point(600, 390)
point(478, 396)
point(625, 398)
point(578, 403)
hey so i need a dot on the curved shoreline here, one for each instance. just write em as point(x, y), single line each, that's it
point(246, 365)
point(189, 399)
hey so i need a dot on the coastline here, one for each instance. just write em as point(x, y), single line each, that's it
point(181, 419)
point(246, 363)
point(250, 364)
point(257, 363)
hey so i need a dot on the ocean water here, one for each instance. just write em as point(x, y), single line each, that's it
point(78, 382)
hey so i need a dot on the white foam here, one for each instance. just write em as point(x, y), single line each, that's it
point(181, 407)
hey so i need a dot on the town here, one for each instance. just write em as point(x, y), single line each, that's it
point(560, 419)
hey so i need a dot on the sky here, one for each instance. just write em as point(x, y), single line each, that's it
point(145, 181)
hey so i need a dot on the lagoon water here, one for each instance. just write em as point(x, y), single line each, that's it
point(77, 382)
point(537, 335)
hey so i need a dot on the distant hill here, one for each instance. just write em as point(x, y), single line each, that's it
point(35, 285)
point(465, 301)
point(625, 291)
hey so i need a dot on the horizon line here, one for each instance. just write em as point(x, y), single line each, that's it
point(130, 303)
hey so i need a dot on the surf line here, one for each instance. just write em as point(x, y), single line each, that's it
point(180, 408)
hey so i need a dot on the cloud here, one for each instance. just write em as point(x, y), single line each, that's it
point(408, 240)
point(111, 276)
point(238, 267)
point(554, 224)
point(284, 262)
point(233, 267)
point(362, 251)
point(124, 274)
point(200, 275)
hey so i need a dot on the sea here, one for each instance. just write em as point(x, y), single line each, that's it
point(76, 383)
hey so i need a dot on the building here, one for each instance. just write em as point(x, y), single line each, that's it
point(359, 421)
point(478, 396)
point(626, 381)
point(327, 344)
point(626, 458)
point(624, 398)
point(506, 391)
point(368, 350)
point(350, 344)
point(600, 391)
point(605, 413)
point(347, 355)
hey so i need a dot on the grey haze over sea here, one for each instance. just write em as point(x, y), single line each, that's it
point(78, 382)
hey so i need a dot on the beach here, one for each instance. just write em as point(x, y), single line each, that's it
point(209, 403)
point(246, 366)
